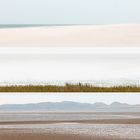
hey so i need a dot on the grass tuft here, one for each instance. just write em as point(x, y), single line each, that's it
point(68, 88)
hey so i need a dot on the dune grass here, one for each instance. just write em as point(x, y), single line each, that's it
point(68, 88)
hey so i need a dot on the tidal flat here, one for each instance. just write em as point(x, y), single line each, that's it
point(70, 125)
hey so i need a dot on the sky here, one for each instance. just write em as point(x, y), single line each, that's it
point(69, 11)
point(108, 98)
point(57, 66)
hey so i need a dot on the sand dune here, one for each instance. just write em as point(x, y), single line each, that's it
point(82, 35)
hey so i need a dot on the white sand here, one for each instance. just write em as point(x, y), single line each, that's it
point(88, 35)
point(103, 66)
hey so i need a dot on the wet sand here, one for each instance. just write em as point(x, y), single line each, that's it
point(30, 136)
point(128, 129)
point(100, 121)
point(67, 126)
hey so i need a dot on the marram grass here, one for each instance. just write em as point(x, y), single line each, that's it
point(68, 88)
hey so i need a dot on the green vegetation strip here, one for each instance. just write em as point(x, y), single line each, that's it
point(68, 88)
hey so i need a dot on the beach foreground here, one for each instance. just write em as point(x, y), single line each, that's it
point(59, 126)
point(34, 136)
point(70, 131)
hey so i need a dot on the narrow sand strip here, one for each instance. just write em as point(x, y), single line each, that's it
point(82, 35)
point(94, 121)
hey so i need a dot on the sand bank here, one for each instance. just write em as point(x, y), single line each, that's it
point(82, 35)
point(74, 130)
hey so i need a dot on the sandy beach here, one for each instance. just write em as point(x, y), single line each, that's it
point(73, 130)
point(74, 35)
point(59, 126)
point(6, 135)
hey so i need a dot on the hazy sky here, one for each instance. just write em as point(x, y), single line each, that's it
point(107, 98)
point(69, 11)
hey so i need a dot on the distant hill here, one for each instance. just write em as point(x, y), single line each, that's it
point(71, 106)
